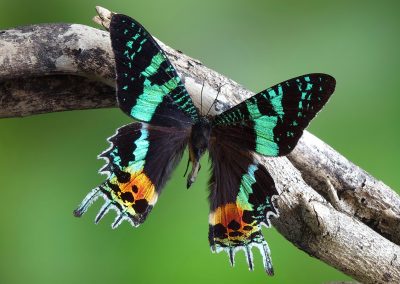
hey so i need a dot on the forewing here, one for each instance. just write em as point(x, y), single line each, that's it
point(272, 121)
point(148, 87)
point(241, 192)
point(139, 162)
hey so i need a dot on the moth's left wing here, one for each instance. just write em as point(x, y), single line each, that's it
point(148, 87)
point(139, 162)
point(272, 121)
point(241, 192)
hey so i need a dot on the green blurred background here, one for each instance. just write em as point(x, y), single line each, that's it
point(48, 162)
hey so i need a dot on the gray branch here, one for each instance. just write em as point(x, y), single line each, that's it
point(329, 207)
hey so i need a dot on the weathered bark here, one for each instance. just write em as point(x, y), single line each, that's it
point(34, 95)
point(348, 188)
point(328, 207)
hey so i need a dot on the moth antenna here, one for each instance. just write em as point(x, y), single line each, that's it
point(215, 100)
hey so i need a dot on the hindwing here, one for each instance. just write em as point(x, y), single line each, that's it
point(241, 192)
point(139, 162)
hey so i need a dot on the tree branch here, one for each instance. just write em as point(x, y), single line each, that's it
point(23, 96)
point(328, 207)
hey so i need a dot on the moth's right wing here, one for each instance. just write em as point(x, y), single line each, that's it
point(272, 121)
point(241, 189)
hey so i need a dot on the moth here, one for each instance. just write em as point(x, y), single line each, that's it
point(143, 154)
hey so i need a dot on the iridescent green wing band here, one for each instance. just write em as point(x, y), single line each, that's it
point(148, 87)
point(273, 120)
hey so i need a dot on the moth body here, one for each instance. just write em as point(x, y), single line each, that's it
point(198, 144)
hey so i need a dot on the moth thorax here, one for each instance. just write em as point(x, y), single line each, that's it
point(200, 136)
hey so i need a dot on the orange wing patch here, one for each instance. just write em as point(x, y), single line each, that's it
point(136, 193)
point(234, 228)
point(232, 225)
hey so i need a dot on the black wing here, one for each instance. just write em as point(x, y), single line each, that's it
point(139, 162)
point(272, 121)
point(148, 87)
point(241, 192)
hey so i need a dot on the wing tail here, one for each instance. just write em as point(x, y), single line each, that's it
point(241, 192)
point(139, 162)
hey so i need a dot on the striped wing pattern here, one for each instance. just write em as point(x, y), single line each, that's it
point(272, 121)
point(148, 87)
point(241, 192)
point(139, 162)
